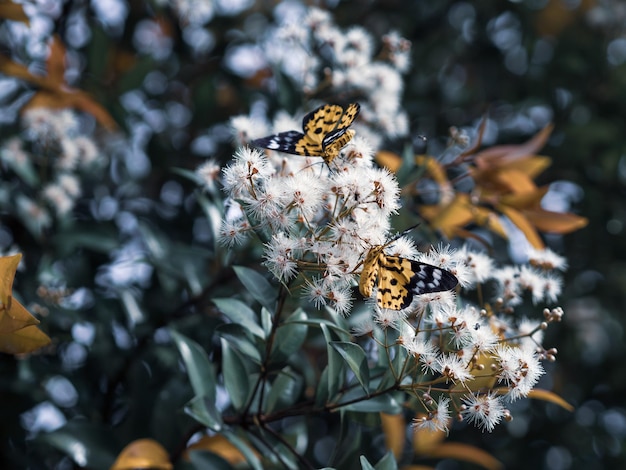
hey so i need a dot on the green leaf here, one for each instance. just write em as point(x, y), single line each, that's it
point(321, 394)
point(365, 465)
point(286, 389)
point(380, 404)
point(237, 337)
point(88, 445)
point(201, 460)
point(199, 368)
point(335, 365)
point(341, 332)
point(266, 321)
point(244, 448)
point(235, 375)
point(289, 337)
point(204, 411)
point(356, 359)
point(388, 462)
point(258, 286)
point(240, 313)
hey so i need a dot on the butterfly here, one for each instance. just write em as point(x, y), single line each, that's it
point(325, 133)
point(398, 279)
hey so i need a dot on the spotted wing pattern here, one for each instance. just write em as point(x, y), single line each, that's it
point(398, 279)
point(325, 133)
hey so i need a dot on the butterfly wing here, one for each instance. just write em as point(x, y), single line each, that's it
point(326, 130)
point(399, 279)
point(325, 133)
point(367, 281)
point(283, 142)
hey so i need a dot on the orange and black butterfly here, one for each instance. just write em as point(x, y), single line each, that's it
point(326, 132)
point(398, 279)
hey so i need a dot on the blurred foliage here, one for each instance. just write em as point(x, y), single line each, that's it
point(138, 258)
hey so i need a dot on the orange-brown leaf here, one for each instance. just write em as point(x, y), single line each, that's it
point(521, 222)
point(8, 266)
point(525, 200)
point(433, 168)
point(13, 11)
point(143, 454)
point(55, 65)
point(466, 453)
point(514, 181)
point(546, 395)
point(448, 218)
point(502, 154)
point(72, 99)
point(390, 160)
point(15, 318)
point(489, 219)
point(425, 440)
point(555, 222)
point(23, 341)
point(394, 429)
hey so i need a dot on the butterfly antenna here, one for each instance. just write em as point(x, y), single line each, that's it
point(402, 234)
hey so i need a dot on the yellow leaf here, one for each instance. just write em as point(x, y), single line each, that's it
point(15, 318)
point(394, 428)
point(514, 181)
point(389, 160)
point(487, 218)
point(143, 454)
point(530, 166)
point(525, 200)
point(555, 222)
point(23, 341)
point(466, 453)
point(433, 169)
point(219, 445)
point(8, 266)
point(483, 379)
point(521, 222)
point(424, 440)
point(456, 214)
point(546, 395)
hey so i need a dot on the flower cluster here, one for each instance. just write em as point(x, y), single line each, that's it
point(320, 56)
point(318, 223)
point(43, 165)
point(312, 218)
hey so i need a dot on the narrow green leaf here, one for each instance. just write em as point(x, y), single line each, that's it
point(289, 337)
point(239, 313)
point(380, 404)
point(365, 465)
point(258, 286)
point(286, 389)
point(204, 411)
point(199, 368)
point(244, 448)
point(235, 375)
point(238, 338)
point(88, 445)
point(388, 462)
point(321, 394)
point(356, 359)
point(266, 321)
point(202, 460)
point(335, 365)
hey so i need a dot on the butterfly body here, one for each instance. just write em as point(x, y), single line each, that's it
point(325, 133)
point(398, 279)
